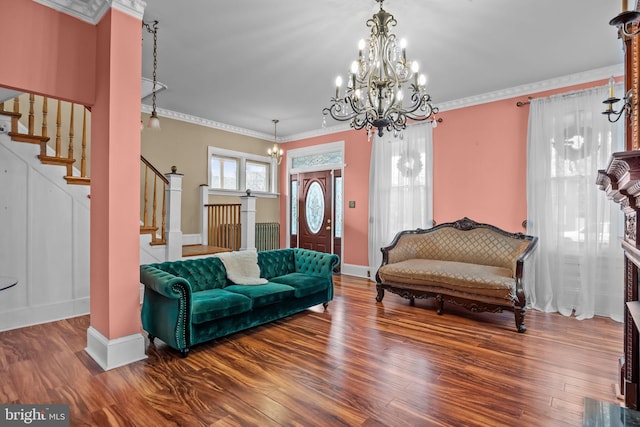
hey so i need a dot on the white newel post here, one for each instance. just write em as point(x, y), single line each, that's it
point(204, 214)
point(248, 222)
point(173, 233)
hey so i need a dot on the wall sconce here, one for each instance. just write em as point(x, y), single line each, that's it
point(626, 107)
point(275, 152)
point(624, 21)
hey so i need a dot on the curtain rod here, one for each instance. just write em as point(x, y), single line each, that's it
point(523, 103)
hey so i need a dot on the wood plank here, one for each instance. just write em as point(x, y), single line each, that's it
point(357, 363)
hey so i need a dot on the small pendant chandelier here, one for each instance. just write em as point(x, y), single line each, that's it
point(275, 152)
point(383, 90)
point(154, 121)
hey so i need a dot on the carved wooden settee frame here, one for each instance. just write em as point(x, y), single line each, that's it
point(515, 302)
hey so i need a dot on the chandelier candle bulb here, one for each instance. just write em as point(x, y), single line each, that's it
point(403, 46)
point(422, 81)
point(611, 83)
point(338, 85)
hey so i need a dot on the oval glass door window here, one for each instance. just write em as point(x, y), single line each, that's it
point(314, 208)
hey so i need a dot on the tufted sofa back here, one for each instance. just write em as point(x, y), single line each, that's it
point(277, 262)
point(476, 246)
point(202, 273)
point(315, 263)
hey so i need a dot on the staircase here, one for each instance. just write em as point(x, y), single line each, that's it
point(52, 155)
point(63, 149)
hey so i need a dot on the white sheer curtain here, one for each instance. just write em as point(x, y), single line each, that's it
point(400, 187)
point(578, 264)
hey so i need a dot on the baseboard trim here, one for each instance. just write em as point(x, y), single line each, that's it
point(45, 313)
point(191, 239)
point(110, 354)
point(355, 270)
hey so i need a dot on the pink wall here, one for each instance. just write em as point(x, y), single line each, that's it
point(479, 169)
point(54, 55)
point(479, 166)
point(356, 188)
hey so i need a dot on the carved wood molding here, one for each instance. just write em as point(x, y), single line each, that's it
point(621, 179)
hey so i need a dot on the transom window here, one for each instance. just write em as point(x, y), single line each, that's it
point(234, 172)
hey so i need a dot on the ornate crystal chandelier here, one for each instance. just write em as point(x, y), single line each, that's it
point(383, 90)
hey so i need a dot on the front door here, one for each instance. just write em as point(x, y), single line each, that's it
point(314, 210)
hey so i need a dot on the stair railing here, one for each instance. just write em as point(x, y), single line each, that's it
point(43, 139)
point(224, 225)
point(154, 185)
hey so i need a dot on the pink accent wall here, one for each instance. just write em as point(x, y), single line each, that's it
point(479, 169)
point(356, 188)
point(54, 55)
point(115, 220)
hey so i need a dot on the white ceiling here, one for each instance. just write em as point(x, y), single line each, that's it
point(243, 63)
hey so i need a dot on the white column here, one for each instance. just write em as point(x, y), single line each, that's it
point(173, 233)
point(204, 214)
point(248, 222)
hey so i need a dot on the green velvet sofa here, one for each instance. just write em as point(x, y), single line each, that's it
point(192, 301)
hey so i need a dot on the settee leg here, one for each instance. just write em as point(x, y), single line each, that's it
point(440, 302)
point(519, 314)
point(325, 305)
point(151, 338)
point(380, 293)
point(184, 352)
point(412, 301)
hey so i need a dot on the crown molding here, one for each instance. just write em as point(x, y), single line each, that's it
point(527, 89)
point(161, 112)
point(92, 11)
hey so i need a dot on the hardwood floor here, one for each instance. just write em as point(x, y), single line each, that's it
point(357, 364)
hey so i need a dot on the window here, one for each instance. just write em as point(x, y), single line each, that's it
point(257, 176)
point(224, 173)
point(234, 172)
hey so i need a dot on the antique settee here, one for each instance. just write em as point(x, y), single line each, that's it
point(477, 266)
point(191, 301)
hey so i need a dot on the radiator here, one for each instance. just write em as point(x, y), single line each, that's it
point(267, 236)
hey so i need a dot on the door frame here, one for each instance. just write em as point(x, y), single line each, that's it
point(306, 151)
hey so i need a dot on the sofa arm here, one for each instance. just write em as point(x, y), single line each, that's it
point(525, 255)
point(166, 284)
point(316, 263)
point(166, 309)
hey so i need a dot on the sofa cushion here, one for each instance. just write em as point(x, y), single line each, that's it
point(304, 284)
point(464, 277)
point(263, 295)
point(202, 273)
point(276, 263)
point(214, 304)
